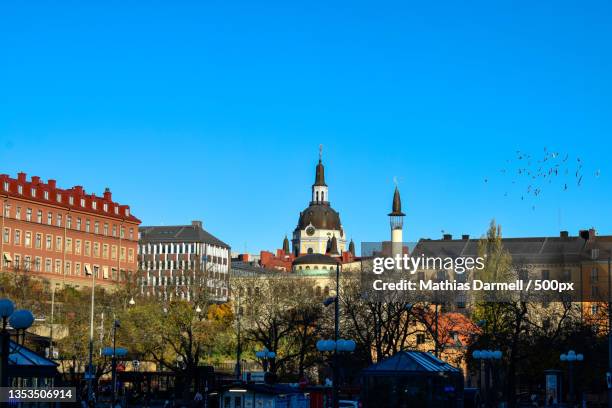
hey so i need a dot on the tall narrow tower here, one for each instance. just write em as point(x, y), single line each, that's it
point(319, 188)
point(396, 219)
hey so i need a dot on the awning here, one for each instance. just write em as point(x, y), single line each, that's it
point(7, 257)
point(87, 269)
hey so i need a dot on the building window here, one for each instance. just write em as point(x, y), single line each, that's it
point(594, 274)
point(48, 265)
point(114, 252)
point(122, 232)
point(105, 207)
point(105, 251)
point(33, 191)
point(58, 266)
point(77, 247)
point(127, 212)
point(545, 274)
point(96, 227)
point(7, 210)
point(87, 248)
point(106, 228)
point(594, 291)
point(130, 254)
point(26, 262)
point(38, 242)
point(59, 220)
point(46, 195)
point(49, 242)
point(58, 243)
point(77, 269)
point(49, 218)
point(114, 230)
point(68, 221)
point(94, 205)
point(39, 216)
point(20, 189)
point(131, 233)
point(6, 236)
point(38, 264)
point(17, 239)
point(67, 268)
point(18, 213)
point(27, 241)
point(29, 215)
point(59, 198)
point(6, 186)
point(71, 200)
point(96, 249)
point(116, 210)
point(68, 244)
point(87, 225)
point(78, 223)
point(17, 263)
point(82, 202)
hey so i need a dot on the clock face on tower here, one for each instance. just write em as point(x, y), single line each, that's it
point(310, 231)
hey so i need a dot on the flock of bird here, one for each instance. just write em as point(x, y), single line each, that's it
point(533, 175)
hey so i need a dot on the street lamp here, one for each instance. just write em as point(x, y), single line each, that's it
point(116, 325)
point(132, 302)
point(266, 357)
point(570, 358)
point(486, 357)
point(334, 347)
point(19, 320)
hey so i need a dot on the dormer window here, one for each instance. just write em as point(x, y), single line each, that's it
point(6, 186)
point(116, 210)
point(127, 212)
point(33, 191)
point(82, 202)
point(20, 189)
point(105, 207)
point(94, 205)
point(46, 195)
point(59, 198)
point(71, 200)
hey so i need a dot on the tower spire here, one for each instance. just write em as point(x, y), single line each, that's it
point(319, 188)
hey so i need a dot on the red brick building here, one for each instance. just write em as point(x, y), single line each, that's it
point(65, 235)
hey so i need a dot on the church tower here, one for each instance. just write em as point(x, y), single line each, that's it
point(319, 188)
point(319, 224)
point(396, 220)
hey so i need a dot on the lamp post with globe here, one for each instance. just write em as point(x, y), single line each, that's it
point(20, 320)
point(570, 357)
point(334, 347)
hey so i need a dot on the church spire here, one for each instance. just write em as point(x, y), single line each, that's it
point(319, 188)
point(286, 245)
point(320, 171)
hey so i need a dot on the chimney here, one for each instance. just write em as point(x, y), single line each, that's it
point(197, 223)
point(21, 177)
point(447, 237)
point(107, 194)
point(35, 180)
point(465, 237)
point(51, 184)
point(584, 234)
point(77, 189)
point(564, 234)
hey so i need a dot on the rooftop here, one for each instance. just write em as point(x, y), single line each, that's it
point(179, 233)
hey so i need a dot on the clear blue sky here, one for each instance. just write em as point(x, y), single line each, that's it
point(215, 110)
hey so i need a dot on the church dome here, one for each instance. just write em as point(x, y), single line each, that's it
point(320, 216)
